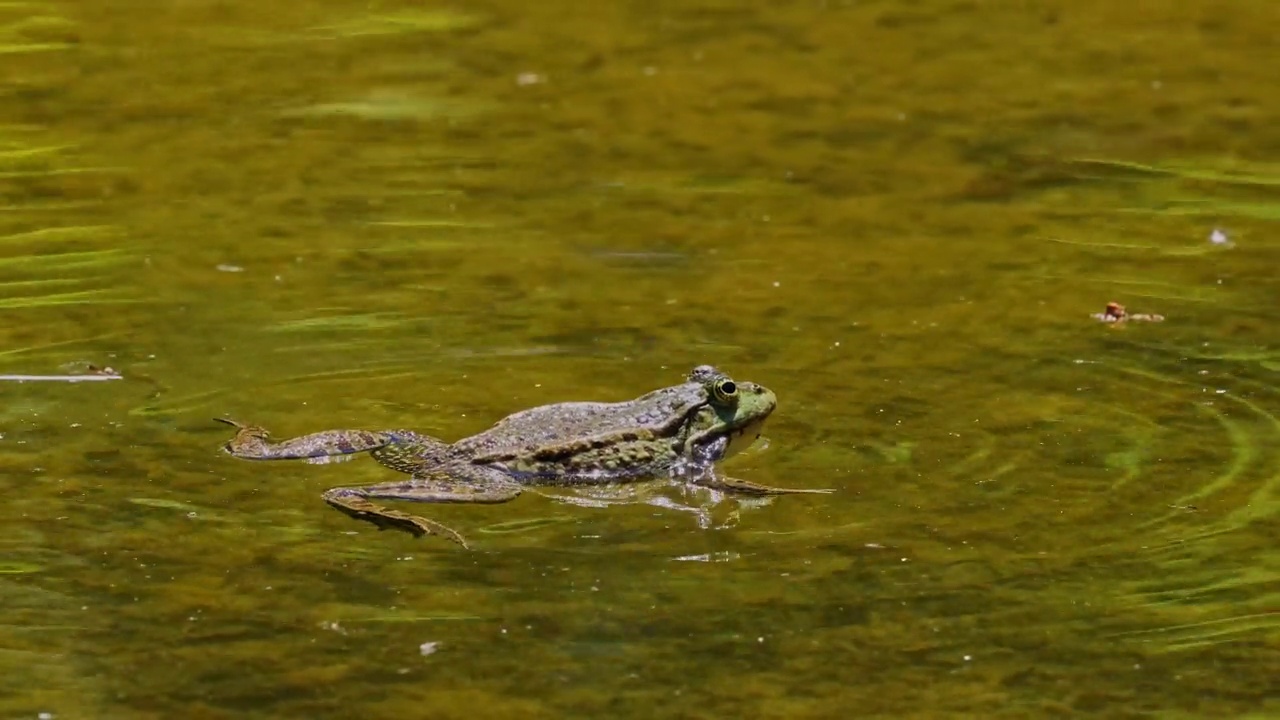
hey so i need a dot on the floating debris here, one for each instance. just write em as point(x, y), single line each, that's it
point(90, 372)
point(1115, 313)
point(58, 378)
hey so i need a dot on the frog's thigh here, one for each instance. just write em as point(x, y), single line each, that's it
point(409, 452)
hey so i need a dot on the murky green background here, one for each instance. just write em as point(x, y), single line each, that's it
point(899, 216)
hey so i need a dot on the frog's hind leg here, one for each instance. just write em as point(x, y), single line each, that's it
point(467, 485)
point(352, 502)
point(252, 442)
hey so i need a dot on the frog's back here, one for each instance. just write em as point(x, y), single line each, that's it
point(577, 422)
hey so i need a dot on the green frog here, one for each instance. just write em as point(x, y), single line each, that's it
point(677, 432)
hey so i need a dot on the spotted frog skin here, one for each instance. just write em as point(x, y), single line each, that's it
point(677, 432)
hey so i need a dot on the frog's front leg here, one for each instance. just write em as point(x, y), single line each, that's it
point(252, 442)
point(462, 484)
point(700, 470)
point(745, 487)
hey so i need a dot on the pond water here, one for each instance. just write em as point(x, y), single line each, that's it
point(898, 216)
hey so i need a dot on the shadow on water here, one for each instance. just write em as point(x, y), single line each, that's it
point(394, 215)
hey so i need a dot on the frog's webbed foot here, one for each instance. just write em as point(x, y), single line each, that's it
point(700, 470)
point(746, 487)
point(252, 442)
point(460, 485)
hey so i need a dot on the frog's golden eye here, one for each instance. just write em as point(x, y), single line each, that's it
point(725, 390)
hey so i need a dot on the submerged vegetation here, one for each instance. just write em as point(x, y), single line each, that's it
point(388, 214)
point(34, 27)
point(44, 260)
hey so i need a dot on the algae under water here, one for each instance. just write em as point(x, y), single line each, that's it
point(898, 217)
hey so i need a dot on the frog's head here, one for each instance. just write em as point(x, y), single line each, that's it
point(734, 410)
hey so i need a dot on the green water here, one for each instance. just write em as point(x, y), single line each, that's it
point(898, 216)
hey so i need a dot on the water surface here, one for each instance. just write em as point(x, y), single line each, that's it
point(897, 216)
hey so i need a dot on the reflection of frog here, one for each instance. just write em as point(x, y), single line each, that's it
point(678, 432)
point(1115, 313)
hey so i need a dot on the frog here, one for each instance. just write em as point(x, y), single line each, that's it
point(677, 433)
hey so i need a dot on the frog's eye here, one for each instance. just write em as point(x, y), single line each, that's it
point(725, 390)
